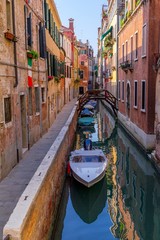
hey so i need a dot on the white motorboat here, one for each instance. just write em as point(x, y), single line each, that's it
point(88, 166)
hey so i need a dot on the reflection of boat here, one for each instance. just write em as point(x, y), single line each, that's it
point(86, 129)
point(86, 121)
point(88, 203)
point(86, 113)
point(88, 166)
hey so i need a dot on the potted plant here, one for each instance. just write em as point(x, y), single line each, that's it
point(32, 54)
point(77, 81)
point(62, 76)
point(56, 79)
point(50, 78)
point(10, 36)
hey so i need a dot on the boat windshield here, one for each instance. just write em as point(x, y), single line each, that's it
point(88, 159)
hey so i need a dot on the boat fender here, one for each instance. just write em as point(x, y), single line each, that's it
point(68, 169)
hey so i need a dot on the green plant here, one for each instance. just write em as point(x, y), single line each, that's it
point(62, 76)
point(138, 2)
point(33, 53)
point(77, 81)
point(122, 22)
point(57, 79)
point(129, 13)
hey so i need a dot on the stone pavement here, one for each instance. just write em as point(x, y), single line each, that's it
point(14, 184)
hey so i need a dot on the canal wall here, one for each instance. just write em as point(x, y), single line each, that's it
point(146, 141)
point(37, 207)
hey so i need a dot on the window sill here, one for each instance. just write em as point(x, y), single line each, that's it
point(144, 56)
point(135, 107)
point(143, 110)
point(136, 59)
point(8, 125)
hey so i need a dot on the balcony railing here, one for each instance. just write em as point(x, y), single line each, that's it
point(127, 65)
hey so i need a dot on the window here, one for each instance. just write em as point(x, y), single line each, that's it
point(136, 46)
point(81, 74)
point(131, 49)
point(30, 109)
point(42, 41)
point(9, 15)
point(143, 95)
point(144, 40)
point(135, 93)
point(126, 50)
point(37, 99)
point(81, 90)
point(119, 90)
point(29, 30)
point(123, 53)
point(122, 90)
point(7, 109)
point(82, 63)
point(43, 94)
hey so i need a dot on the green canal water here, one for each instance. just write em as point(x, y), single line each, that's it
point(125, 204)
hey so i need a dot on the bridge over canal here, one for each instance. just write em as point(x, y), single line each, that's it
point(99, 94)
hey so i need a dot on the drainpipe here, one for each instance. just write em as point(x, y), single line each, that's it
point(15, 46)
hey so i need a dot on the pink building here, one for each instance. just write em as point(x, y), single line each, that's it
point(137, 49)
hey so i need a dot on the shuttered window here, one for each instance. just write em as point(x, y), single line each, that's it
point(9, 15)
point(42, 41)
point(29, 30)
point(7, 109)
point(46, 10)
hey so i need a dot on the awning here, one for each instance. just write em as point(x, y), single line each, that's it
point(106, 33)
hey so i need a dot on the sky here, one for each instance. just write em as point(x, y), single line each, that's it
point(86, 15)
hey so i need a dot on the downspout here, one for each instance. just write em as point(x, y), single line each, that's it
point(16, 72)
point(15, 46)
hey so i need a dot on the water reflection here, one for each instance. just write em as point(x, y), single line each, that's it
point(126, 205)
point(88, 202)
point(138, 190)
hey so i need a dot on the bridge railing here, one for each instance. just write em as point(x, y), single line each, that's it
point(98, 94)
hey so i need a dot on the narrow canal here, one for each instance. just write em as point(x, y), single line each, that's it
point(125, 204)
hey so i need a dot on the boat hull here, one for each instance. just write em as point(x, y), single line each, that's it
point(91, 183)
point(88, 166)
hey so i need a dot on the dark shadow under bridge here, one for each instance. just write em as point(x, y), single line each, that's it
point(99, 94)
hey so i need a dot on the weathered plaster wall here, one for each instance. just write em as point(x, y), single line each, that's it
point(37, 207)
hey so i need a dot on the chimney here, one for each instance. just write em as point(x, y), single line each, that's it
point(71, 24)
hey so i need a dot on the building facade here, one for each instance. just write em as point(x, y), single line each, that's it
point(23, 115)
point(137, 47)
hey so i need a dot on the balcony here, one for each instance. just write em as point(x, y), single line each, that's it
point(127, 65)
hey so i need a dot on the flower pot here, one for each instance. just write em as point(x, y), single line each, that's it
point(29, 55)
point(10, 36)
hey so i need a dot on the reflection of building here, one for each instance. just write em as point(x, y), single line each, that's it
point(138, 191)
point(138, 49)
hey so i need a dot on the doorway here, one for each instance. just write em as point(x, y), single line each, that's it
point(23, 123)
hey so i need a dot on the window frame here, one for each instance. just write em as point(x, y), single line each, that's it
point(136, 46)
point(144, 40)
point(6, 108)
point(143, 96)
point(136, 94)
